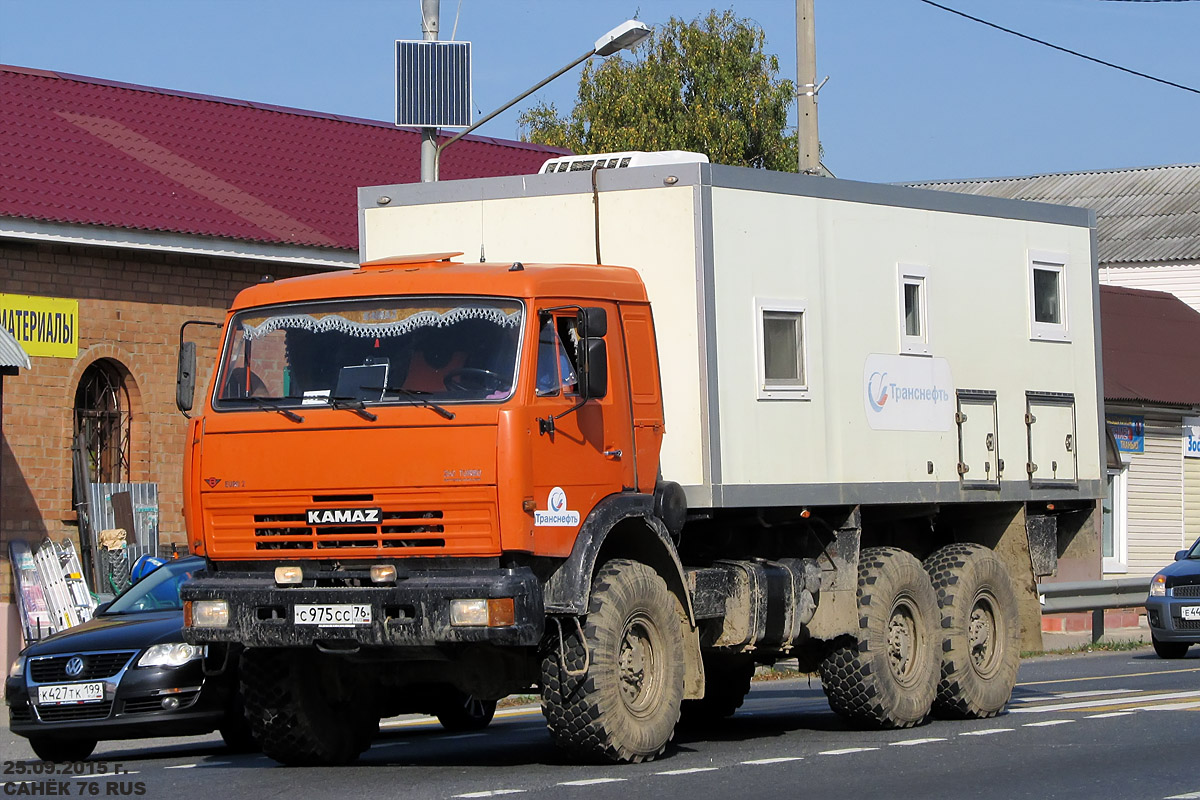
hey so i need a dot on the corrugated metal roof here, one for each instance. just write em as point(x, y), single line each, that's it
point(1150, 214)
point(1151, 344)
point(12, 355)
point(81, 150)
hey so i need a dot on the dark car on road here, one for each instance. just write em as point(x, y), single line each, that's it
point(125, 674)
point(1173, 607)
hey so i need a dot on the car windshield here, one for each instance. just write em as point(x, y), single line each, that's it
point(158, 591)
point(377, 351)
point(1194, 552)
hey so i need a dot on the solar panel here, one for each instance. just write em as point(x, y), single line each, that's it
point(433, 84)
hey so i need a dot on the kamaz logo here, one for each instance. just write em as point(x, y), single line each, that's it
point(343, 516)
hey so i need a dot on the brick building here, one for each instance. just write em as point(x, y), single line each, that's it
point(127, 210)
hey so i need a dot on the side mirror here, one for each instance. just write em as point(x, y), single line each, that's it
point(185, 377)
point(1180, 555)
point(594, 380)
point(100, 609)
point(592, 323)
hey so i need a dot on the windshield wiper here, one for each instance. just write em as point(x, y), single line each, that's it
point(351, 404)
point(267, 405)
point(415, 397)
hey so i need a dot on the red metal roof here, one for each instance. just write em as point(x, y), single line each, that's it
point(1151, 344)
point(81, 150)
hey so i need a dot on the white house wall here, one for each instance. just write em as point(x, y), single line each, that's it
point(1181, 280)
point(1155, 496)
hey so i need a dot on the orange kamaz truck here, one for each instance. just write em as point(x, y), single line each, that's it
point(807, 419)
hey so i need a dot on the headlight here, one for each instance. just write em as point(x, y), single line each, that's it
point(17, 670)
point(174, 654)
point(206, 614)
point(1158, 586)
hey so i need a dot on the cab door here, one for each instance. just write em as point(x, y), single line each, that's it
point(579, 456)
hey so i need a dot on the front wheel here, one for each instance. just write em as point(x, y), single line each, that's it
point(48, 749)
point(981, 635)
point(887, 677)
point(1169, 649)
point(625, 707)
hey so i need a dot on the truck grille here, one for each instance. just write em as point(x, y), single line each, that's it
point(460, 521)
point(398, 529)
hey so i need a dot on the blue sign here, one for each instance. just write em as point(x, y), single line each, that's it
point(1129, 432)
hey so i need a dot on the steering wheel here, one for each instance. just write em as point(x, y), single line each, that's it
point(473, 379)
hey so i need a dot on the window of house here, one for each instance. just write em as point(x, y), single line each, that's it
point(102, 418)
point(914, 310)
point(1048, 296)
point(1114, 545)
point(782, 361)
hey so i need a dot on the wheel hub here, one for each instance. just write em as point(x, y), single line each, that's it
point(636, 662)
point(982, 633)
point(902, 641)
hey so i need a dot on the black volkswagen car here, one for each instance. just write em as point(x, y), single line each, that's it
point(1173, 607)
point(125, 674)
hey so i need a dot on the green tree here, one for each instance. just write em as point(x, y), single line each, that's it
point(705, 86)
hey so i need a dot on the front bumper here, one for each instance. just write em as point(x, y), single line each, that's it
point(132, 706)
point(413, 612)
point(1165, 615)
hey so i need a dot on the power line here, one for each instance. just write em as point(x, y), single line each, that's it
point(1067, 50)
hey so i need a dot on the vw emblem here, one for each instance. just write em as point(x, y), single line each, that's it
point(74, 667)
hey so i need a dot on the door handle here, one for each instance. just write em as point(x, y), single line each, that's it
point(612, 454)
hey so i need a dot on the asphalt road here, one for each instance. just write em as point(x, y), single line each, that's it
point(1101, 725)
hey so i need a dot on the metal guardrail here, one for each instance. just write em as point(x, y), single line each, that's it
point(1094, 596)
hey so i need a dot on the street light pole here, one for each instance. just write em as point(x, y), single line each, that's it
point(623, 37)
point(807, 139)
point(430, 20)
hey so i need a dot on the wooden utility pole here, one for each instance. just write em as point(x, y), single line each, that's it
point(808, 142)
point(430, 14)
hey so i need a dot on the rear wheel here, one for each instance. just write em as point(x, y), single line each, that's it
point(625, 707)
point(1169, 649)
point(48, 749)
point(462, 712)
point(887, 677)
point(297, 711)
point(981, 638)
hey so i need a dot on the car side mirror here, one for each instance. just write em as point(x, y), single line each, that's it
point(592, 323)
point(185, 377)
point(594, 381)
point(1180, 555)
point(100, 609)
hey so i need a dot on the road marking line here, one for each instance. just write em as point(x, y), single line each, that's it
point(1109, 677)
point(1072, 695)
point(1110, 714)
point(1188, 796)
point(988, 732)
point(1093, 706)
point(592, 781)
point(491, 793)
point(688, 771)
point(181, 766)
point(1170, 707)
point(465, 736)
point(1048, 723)
point(847, 751)
point(763, 761)
point(910, 742)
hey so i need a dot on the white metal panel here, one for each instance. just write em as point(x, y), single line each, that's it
point(1155, 495)
point(840, 258)
point(1181, 280)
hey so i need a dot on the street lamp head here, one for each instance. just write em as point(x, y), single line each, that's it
point(622, 37)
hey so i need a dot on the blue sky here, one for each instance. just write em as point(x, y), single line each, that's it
point(914, 93)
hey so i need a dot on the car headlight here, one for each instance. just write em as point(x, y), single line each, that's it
point(17, 670)
point(1158, 586)
point(173, 654)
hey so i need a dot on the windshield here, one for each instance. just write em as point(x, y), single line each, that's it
point(158, 591)
point(377, 351)
point(1194, 552)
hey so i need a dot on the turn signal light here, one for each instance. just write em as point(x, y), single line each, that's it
point(496, 613)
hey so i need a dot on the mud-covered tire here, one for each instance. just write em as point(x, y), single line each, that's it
point(726, 684)
point(295, 715)
point(625, 708)
point(461, 712)
point(980, 629)
point(886, 675)
point(51, 749)
point(1169, 649)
